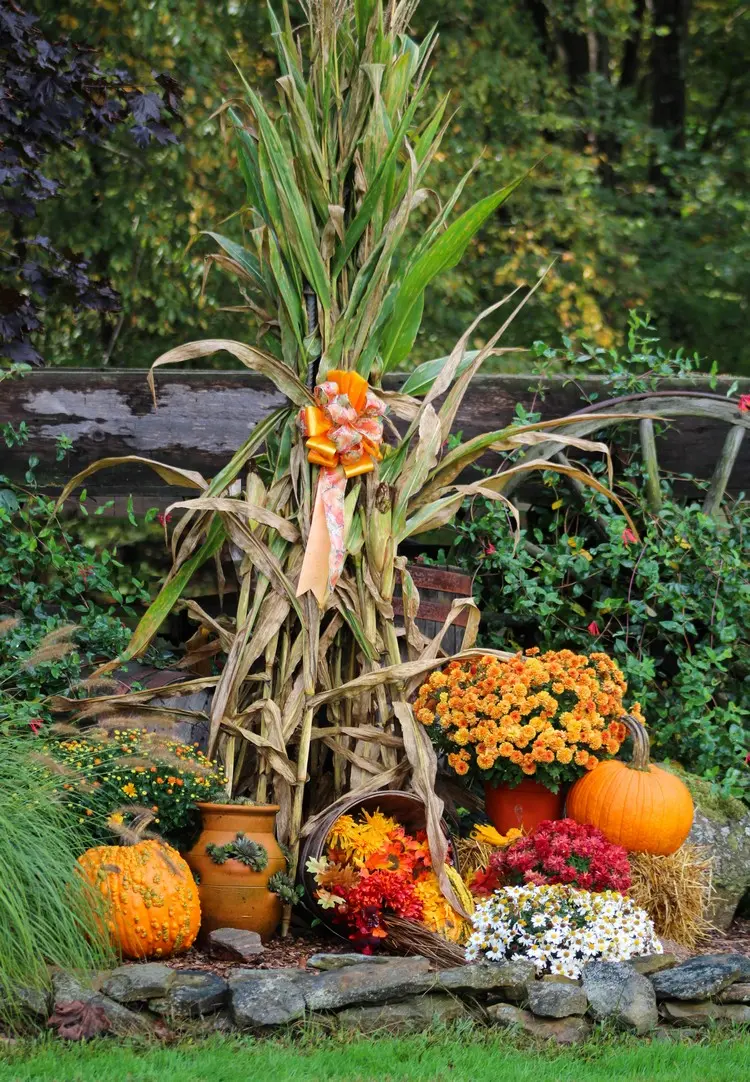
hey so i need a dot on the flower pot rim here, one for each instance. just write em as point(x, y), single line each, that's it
point(209, 805)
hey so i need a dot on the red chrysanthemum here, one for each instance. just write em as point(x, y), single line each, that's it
point(558, 851)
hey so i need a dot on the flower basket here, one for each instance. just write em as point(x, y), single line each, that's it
point(406, 807)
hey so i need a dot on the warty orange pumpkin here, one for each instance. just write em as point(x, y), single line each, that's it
point(636, 805)
point(151, 897)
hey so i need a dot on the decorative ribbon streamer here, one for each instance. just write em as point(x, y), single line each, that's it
point(343, 435)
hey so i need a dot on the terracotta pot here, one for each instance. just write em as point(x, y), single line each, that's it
point(525, 806)
point(232, 895)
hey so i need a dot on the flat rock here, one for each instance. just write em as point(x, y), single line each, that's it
point(338, 961)
point(701, 978)
point(553, 1000)
point(735, 993)
point(682, 1012)
point(617, 992)
point(558, 978)
point(561, 1030)
point(137, 983)
point(412, 1015)
point(267, 998)
point(66, 989)
point(653, 963)
point(192, 994)
point(234, 944)
point(367, 984)
point(503, 978)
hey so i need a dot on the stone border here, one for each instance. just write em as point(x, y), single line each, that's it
point(642, 996)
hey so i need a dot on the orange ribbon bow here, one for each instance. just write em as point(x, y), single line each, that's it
point(343, 433)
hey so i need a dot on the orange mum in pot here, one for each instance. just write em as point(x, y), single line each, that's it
point(552, 716)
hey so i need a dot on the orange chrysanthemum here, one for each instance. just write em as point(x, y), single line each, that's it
point(554, 714)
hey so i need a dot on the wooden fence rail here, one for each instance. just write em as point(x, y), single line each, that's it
point(201, 417)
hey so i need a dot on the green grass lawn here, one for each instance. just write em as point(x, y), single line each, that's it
point(449, 1056)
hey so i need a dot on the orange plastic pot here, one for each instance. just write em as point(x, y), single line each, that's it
point(525, 806)
point(233, 895)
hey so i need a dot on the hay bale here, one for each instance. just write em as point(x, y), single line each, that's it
point(675, 891)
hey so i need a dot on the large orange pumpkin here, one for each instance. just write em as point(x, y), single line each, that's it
point(150, 895)
point(636, 805)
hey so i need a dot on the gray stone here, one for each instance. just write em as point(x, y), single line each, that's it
point(136, 983)
point(366, 984)
point(338, 961)
point(558, 978)
point(284, 973)
point(556, 1000)
point(728, 841)
point(504, 978)
point(617, 992)
point(35, 1002)
point(412, 1015)
point(701, 978)
point(652, 963)
point(267, 998)
point(66, 989)
point(562, 1030)
point(682, 1012)
point(193, 993)
point(234, 944)
point(735, 993)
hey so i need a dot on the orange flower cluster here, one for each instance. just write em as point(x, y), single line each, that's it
point(556, 714)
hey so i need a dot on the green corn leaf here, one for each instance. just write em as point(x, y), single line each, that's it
point(445, 253)
point(255, 440)
point(249, 263)
point(363, 11)
point(297, 221)
point(171, 592)
point(358, 631)
point(372, 197)
point(247, 153)
point(423, 377)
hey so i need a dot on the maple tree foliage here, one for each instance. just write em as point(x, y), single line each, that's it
point(55, 94)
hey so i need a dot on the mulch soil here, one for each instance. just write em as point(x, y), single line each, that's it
point(734, 941)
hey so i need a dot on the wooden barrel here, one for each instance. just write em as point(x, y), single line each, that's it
point(438, 588)
point(406, 808)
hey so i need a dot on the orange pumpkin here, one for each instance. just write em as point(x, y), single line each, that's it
point(150, 895)
point(636, 805)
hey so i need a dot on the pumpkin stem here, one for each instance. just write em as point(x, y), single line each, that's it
point(641, 743)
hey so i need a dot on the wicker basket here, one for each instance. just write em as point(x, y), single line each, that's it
point(407, 808)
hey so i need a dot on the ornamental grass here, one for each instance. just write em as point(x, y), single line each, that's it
point(49, 915)
point(339, 238)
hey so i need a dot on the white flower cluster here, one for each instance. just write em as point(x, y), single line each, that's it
point(559, 928)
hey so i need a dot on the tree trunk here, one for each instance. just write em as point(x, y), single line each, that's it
point(630, 54)
point(668, 95)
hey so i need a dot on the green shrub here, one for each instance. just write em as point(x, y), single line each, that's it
point(48, 913)
point(102, 774)
point(50, 580)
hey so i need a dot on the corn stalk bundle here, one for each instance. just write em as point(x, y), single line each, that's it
point(336, 175)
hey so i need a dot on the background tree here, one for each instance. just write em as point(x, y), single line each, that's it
point(633, 113)
point(55, 96)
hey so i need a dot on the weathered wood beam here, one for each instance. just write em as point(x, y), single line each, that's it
point(201, 417)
